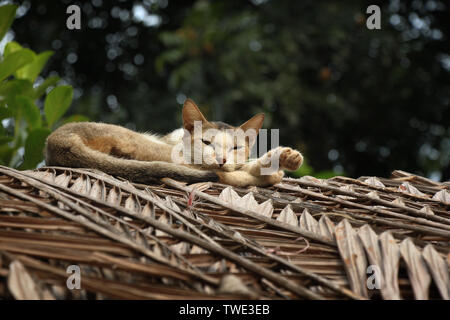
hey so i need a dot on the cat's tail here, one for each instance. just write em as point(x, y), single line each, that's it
point(72, 152)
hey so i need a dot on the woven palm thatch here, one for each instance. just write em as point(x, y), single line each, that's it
point(341, 238)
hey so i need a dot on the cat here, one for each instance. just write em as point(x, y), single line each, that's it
point(144, 158)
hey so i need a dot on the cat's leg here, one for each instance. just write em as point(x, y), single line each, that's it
point(288, 159)
point(264, 171)
point(243, 179)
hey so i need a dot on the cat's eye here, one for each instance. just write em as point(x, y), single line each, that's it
point(206, 142)
point(237, 147)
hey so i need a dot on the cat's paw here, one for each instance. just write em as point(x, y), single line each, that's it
point(290, 159)
point(274, 178)
point(245, 179)
point(270, 179)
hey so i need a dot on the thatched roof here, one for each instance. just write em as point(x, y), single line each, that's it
point(304, 238)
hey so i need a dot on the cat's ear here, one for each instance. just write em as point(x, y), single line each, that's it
point(254, 123)
point(191, 113)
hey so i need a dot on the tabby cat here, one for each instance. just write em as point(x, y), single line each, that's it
point(143, 157)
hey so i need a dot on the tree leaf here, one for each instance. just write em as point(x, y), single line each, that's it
point(7, 15)
point(32, 70)
point(57, 103)
point(34, 148)
point(16, 87)
point(9, 90)
point(29, 111)
point(6, 112)
point(14, 62)
point(40, 90)
point(11, 47)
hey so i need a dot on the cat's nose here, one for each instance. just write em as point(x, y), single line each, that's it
point(221, 161)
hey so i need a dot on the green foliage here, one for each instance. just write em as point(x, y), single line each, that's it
point(378, 100)
point(23, 127)
point(7, 14)
point(307, 170)
point(57, 103)
point(33, 147)
point(15, 61)
point(349, 98)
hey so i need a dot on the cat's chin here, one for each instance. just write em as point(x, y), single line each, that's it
point(229, 167)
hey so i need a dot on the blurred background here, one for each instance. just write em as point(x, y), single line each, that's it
point(354, 101)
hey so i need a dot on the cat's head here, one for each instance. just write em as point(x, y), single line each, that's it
point(217, 145)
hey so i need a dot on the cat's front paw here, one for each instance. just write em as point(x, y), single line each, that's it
point(290, 159)
point(274, 178)
point(269, 180)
